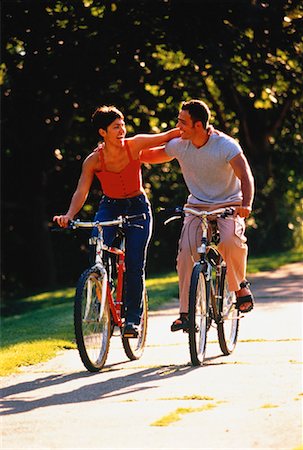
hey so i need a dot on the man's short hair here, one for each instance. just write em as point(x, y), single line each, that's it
point(198, 111)
point(104, 116)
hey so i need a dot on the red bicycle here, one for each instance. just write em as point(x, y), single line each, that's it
point(99, 299)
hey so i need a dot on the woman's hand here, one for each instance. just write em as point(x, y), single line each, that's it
point(62, 220)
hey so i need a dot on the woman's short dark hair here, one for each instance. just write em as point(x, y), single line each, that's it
point(198, 111)
point(104, 116)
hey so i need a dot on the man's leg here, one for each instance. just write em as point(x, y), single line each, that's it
point(234, 250)
point(190, 239)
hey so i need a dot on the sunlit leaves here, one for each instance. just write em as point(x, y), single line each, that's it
point(63, 58)
point(3, 70)
point(97, 11)
point(154, 124)
point(62, 23)
point(169, 59)
point(267, 99)
point(284, 60)
point(249, 33)
point(16, 46)
point(59, 7)
point(87, 3)
point(155, 90)
point(294, 197)
point(294, 13)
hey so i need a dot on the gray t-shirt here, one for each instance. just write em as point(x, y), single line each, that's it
point(206, 170)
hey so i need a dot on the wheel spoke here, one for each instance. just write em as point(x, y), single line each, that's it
point(134, 347)
point(92, 320)
point(197, 316)
point(229, 323)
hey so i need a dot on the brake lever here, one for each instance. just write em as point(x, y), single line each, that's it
point(227, 212)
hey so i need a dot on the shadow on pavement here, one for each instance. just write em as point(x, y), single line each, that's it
point(112, 387)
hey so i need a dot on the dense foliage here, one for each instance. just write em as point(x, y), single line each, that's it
point(61, 59)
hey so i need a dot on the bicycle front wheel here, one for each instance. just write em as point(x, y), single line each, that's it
point(134, 347)
point(197, 316)
point(228, 325)
point(92, 320)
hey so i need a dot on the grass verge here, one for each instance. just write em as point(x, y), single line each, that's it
point(274, 261)
point(41, 325)
point(36, 336)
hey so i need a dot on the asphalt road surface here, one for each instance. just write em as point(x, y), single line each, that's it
point(250, 399)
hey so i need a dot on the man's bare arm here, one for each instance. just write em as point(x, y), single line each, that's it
point(243, 171)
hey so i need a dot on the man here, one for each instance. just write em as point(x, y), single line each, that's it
point(116, 163)
point(217, 174)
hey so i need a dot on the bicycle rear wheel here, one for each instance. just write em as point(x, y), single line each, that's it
point(228, 325)
point(92, 320)
point(134, 347)
point(197, 316)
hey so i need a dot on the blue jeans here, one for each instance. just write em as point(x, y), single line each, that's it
point(137, 237)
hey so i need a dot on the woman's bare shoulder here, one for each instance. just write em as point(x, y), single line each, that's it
point(92, 161)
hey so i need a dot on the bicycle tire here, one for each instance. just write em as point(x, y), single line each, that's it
point(92, 320)
point(197, 316)
point(134, 347)
point(228, 325)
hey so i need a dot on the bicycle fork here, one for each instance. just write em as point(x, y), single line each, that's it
point(207, 270)
point(217, 297)
point(100, 293)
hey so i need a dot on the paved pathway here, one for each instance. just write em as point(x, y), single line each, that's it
point(250, 399)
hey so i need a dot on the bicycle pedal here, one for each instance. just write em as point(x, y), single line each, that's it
point(130, 335)
point(130, 331)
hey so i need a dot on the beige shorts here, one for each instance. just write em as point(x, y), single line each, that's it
point(232, 247)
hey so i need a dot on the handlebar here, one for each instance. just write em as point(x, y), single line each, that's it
point(119, 221)
point(220, 212)
point(179, 212)
point(74, 224)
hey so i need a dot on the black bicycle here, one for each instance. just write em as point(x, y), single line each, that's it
point(210, 300)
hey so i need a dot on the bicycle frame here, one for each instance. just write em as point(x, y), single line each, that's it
point(209, 297)
point(98, 305)
point(212, 291)
point(115, 304)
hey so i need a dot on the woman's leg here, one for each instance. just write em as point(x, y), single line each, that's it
point(137, 235)
point(107, 211)
point(137, 238)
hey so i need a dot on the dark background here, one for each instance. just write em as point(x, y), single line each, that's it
point(62, 59)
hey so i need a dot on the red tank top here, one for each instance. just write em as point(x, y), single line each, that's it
point(124, 184)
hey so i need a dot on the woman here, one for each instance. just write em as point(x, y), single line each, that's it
point(116, 163)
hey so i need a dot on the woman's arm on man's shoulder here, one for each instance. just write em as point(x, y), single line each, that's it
point(155, 155)
point(143, 141)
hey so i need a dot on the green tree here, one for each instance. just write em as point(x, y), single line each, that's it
point(61, 59)
point(245, 58)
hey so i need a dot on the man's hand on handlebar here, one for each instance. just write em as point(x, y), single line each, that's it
point(243, 211)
